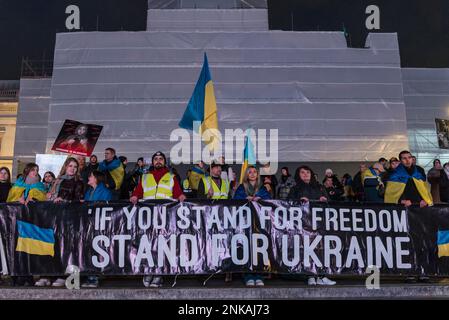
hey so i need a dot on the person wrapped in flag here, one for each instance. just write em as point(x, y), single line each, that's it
point(407, 184)
point(113, 168)
point(28, 187)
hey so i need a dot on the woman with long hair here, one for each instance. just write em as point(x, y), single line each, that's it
point(307, 187)
point(48, 179)
point(69, 185)
point(5, 183)
point(251, 190)
point(28, 187)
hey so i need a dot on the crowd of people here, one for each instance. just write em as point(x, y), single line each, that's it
point(399, 180)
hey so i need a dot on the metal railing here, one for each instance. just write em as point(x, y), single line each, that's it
point(9, 94)
point(36, 68)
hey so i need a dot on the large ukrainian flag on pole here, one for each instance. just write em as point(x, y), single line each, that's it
point(35, 240)
point(202, 107)
point(249, 157)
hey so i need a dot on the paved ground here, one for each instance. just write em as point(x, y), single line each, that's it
point(193, 289)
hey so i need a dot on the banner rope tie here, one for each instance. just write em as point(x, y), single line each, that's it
point(208, 278)
point(174, 282)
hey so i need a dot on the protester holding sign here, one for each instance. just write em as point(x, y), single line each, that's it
point(159, 183)
point(5, 183)
point(252, 190)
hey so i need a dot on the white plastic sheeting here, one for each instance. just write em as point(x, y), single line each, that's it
point(426, 95)
point(206, 4)
point(208, 20)
point(32, 120)
point(329, 102)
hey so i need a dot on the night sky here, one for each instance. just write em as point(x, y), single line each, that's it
point(28, 27)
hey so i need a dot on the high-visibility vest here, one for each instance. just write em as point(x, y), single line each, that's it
point(219, 193)
point(186, 184)
point(161, 190)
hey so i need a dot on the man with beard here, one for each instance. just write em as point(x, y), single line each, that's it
point(158, 183)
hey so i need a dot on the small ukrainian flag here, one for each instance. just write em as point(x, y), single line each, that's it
point(443, 243)
point(35, 240)
point(249, 157)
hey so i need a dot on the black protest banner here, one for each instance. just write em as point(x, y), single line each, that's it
point(203, 237)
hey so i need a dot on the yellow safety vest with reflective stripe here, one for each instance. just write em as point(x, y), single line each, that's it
point(161, 190)
point(219, 193)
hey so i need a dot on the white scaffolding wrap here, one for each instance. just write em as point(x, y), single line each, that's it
point(426, 95)
point(32, 120)
point(329, 102)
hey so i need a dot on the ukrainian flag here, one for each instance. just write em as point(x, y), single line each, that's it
point(202, 108)
point(443, 243)
point(35, 240)
point(249, 157)
point(398, 180)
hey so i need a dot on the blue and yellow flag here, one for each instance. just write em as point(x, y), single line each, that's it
point(116, 170)
point(35, 240)
point(249, 157)
point(397, 182)
point(202, 108)
point(443, 243)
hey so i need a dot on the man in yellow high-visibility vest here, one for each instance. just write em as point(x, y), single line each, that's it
point(213, 186)
point(158, 183)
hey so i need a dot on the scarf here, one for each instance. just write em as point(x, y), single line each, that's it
point(57, 185)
